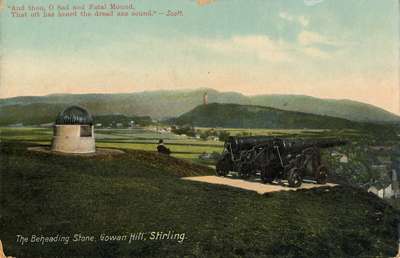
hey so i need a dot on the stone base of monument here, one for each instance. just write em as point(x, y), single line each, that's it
point(98, 152)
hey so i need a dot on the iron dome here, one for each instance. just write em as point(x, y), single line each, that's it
point(74, 115)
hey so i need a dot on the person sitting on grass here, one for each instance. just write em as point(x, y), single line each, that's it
point(162, 149)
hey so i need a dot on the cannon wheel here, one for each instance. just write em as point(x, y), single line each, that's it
point(222, 168)
point(311, 160)
point(244, 172)
point(221, 171)
point(322, 174)
point(295, 178)
point(266, 175)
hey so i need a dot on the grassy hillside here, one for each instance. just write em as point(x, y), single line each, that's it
point(244, 116)
point(164, 104)
point(44, 194)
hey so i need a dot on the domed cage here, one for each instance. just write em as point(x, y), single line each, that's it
point(74, 115)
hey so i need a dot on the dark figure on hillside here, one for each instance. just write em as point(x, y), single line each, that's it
point(162, 149)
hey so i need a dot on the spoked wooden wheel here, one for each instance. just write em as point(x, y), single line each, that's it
point(295, 178)
point(222, 168)
point(322, 175)
point(245, 171)
point(221, 171)
point(244, 174)
point(266, 175)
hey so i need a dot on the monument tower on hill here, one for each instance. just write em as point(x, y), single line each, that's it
point(205, 98)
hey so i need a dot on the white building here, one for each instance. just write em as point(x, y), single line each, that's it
point(391, 191)
point(73, 131)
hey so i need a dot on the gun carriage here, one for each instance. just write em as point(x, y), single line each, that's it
point(275, 159)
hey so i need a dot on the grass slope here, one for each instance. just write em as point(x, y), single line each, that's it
point(139, 191)
point(244, 116)
point(164, 104)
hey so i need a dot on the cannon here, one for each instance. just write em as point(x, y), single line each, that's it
point(275, 158)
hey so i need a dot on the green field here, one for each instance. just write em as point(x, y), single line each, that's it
point(137, 139)
point(46, 195)
point(189, 148)
point(142, 139)
point(184, 147)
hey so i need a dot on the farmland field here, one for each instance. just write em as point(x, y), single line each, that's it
point(181, 146)
point(134, 139)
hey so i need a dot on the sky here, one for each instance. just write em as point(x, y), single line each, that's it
point(342, 49)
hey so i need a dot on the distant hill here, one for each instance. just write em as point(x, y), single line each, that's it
point(42, 113)
point(157, 104)
point(352, 110)
point(31, 114)
point(246, 116)
point(167, 104)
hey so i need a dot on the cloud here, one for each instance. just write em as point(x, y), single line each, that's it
point(316, 52)
point(286, 16)
point(312, 2)
point(302, 20)
point(308, 38)
point(264, 48)
point(323, 45)
point(315, 45)
point(310, 44)
point(259, 46)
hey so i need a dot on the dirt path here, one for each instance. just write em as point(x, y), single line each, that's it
point(256, 186)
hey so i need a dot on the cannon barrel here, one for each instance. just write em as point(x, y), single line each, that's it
point(299, 145)
point(246, 143)
point(330, 143)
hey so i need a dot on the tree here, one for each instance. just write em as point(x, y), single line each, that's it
point(223, 135)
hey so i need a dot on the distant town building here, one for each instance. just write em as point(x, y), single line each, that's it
point(395, 184)
point(390, 191)
point(214, 138)
point(384, 193)
point(342, 157)
point(205, 98)
point(73, 131)
point(373, 190)
point(395, 166)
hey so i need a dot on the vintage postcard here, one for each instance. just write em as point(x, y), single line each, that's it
point(199, 128)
